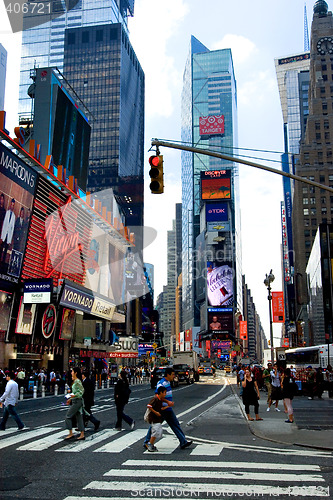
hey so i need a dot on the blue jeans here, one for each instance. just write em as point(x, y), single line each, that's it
point(10, 410)
point(172, 421)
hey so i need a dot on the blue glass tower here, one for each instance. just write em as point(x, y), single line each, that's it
point(209, 89)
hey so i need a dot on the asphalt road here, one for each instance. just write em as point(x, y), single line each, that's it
point(224, 460)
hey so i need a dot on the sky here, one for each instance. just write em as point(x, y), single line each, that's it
point(257, 32)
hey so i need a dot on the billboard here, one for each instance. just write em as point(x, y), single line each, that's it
point(243, 330)
point(26, 318)
point(278, 307)
point(211, 125)
point(60, 126)
point(6, 300)
point(220, 288)
point(67, 324)
point(18, 184)
point(220, 322)
point(216, 185)
point(216, 212)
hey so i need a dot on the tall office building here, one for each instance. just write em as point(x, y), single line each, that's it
point(292, 74)
point(209, 91)
point(3, 67)
point(313, 206)
point(43, 46)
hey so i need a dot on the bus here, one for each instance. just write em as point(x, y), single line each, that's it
point(316, 356)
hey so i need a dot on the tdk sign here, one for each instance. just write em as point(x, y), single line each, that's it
point(216, 212)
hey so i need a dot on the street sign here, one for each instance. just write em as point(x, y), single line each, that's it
point(154, 345)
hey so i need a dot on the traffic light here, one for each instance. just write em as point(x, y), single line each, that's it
point(156, 174)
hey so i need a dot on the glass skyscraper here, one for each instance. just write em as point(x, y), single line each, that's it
point(209, 89)
point(43, 46)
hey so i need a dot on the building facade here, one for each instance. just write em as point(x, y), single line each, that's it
point(313, 206)
point(209, 94)
point(3, 68)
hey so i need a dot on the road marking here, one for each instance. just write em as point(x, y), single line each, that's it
point(216, 475)
point(45, 442)
point(123, 442)
point(24, 436)
point(207, 449)
point(89, 441)
point(192, 489)
point(4, 434)
point(166, 446)
point(221, 465)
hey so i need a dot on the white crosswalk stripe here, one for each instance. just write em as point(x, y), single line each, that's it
point(75, 447)
point(212, 450)
point(205, 479)
point(24, 436)
point(118, 445)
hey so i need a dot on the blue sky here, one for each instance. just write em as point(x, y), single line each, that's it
point(257, 32)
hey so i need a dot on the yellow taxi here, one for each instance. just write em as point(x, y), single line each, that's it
point(227, 369)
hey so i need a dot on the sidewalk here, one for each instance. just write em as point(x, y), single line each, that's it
point(312, 427)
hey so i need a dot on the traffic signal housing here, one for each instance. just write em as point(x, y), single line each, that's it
point(156, 174)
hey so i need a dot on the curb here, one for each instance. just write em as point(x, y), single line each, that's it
point(260, 436)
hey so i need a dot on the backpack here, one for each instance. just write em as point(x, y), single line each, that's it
point(146, 416)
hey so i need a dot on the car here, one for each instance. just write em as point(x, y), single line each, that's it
point(227, 369)
point(160, 372)
point(184, 373)
point(200, 370)
point(208, 370)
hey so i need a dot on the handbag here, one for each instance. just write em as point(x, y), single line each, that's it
point(146, 416)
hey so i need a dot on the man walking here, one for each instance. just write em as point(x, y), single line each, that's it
point(168, 413)
point(10, 398)
point(267, 381)
point(88, 399)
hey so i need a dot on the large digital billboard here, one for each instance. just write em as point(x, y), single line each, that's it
point(216, 212)
point(18, 184)
point(220, 322)
point(216, 185)
point(220, 288)
point(211, 125)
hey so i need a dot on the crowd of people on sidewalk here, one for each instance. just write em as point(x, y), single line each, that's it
point(281, 385)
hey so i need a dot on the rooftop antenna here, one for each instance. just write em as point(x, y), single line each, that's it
point(306, 31)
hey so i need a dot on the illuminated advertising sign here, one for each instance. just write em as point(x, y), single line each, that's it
point(67, 324)
point(220, 344)
point(220, 322)
point(216, 185)
point(18, 184)
point(278, 307)
point(216, 212)
point(211, 125)
point(243, 330)
point(212, 227)
point(49, 321)
point(144, 349)
point(37, 292)
point(26, 318)
point(220, 289)
point(5, 307)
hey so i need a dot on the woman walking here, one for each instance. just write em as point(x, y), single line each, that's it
point(287, 385)
point(250, 395)
point(76, 405)
point(121, 397)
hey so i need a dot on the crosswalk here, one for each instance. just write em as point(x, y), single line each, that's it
point(154, 478)
point(114, 441)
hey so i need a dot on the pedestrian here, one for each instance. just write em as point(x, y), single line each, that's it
point(52, 379)
point(75, 401)
point(329, 379)
point(121, 396)
point(169, 415)
point(276, 394)
point(9, 400)
point(20, 377)
point(250, 394)
point(155, 417)
point(88, 401)
point(267, 380)
point(288, 391)
point(311, 379)
point(319, 389)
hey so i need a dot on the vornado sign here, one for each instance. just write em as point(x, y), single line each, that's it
point(82, 301)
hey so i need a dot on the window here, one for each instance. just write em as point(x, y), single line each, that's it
point(305, 190)
point(323, 201)
point(306, 222)
point(306, 233)
point(318, 136)
point(324, 210)
point(313, 211)
point(71, 38)
point(326, 125)
point(313, 222)
point(85, 37)
point(322, 179)
point(305, 201)
point(306, 156)
point(305, 211)
point(313, 201)
point(317, 126)
point(324, 106)
point(99, 35)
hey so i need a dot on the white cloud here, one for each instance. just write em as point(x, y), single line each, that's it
point(242, 48)
point(256, 89)
point(155, 23)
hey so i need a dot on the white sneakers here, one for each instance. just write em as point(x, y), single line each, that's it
point(277, 409)
point(268, 409)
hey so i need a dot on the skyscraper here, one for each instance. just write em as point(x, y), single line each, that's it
point(3, 67)
point(312, 205)
point(209, 90)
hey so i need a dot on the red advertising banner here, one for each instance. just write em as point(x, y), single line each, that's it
point(243, 330)
point(188, 335)
point(285, 342)
point(278, 307)
point(211, 125)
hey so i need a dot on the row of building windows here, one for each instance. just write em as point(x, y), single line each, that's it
point(313, 211)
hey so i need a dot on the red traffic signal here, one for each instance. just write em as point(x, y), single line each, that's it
point(156, 174)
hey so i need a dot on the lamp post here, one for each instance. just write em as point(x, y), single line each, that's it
point(267, 282)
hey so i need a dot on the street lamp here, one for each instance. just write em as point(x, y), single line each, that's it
point(267, 282)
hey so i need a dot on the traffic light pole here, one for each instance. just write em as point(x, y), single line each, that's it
point(234, 159)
